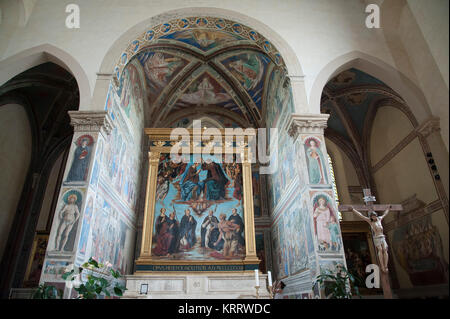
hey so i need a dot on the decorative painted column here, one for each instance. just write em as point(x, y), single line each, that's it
point(307, 131)
point(68, 236)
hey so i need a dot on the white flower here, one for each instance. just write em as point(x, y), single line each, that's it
point(69, 268)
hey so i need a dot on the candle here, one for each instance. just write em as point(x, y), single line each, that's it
point(257, 277)
point(269, 277)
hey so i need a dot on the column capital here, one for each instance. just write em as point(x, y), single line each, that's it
point(307, 123)
point(429, 127)
point(91, 121)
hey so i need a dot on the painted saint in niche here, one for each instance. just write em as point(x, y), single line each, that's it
point(81, 159)
point(316, 162)
point(325, 225)
point(67, 217)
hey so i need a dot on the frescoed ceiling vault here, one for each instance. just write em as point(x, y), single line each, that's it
point(351, 99)
point(200, 66)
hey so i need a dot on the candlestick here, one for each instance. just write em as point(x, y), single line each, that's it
point(257, 292)
point(256, 278)
point(269, 277)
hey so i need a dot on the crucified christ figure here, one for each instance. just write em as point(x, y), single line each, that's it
point(378, 237)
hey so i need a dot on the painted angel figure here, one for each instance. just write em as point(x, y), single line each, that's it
point(378, 236)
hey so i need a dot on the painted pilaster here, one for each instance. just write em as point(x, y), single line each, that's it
point(307, 130)
point(67, 240)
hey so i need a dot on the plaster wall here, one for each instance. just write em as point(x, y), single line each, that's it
point(15, 155)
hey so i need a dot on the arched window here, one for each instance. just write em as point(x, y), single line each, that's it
point(333, 183)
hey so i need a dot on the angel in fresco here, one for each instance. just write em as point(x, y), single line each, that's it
point(159, 68)
point(162, 188)
point(316, 162)
point(248, 71)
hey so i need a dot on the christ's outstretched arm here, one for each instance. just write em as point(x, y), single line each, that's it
point(367, 219)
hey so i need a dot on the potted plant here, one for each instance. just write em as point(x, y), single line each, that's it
point(338, 285)
point(99, 280)
point(47, 292)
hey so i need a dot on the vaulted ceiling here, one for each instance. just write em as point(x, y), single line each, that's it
point(352, 99)
point(201, 66)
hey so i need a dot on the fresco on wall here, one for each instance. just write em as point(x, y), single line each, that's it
point(326, 223)
point(419, 250)
point(203, 39)
point(198, 211)
point(109, 236)
point(279, 100)
point(65, 222)
point(279, 250)
point(86, 226)
point(296, 239)
point(130, 92)
point(81, 159)
point(286, 168)
point(317, 166)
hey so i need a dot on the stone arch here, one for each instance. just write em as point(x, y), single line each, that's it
point(386, 73)
point(27, 59)
point(111, 58)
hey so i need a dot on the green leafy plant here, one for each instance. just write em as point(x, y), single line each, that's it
point(339, 285)
point(47, 292)
point(99, 280)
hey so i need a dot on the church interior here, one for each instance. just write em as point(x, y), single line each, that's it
point(89, 94)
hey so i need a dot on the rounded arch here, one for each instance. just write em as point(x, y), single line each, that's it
point(375, 67)
point(112, 56)
point(27, 59)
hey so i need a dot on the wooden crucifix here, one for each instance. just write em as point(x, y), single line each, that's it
point(377, 232)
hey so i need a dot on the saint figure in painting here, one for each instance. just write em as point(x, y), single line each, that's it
point(214, 184)
point(322, 217)
point(190, 188)
point(333, 226)
point(160, 220)
point(235, 218)
point(209, 230)
point(80, 164)
point(316, 162)
point(68, 216)
point(166, 234)
point(187, 230)
point(228, 237)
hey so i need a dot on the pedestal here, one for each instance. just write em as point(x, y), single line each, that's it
point(196, 286)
